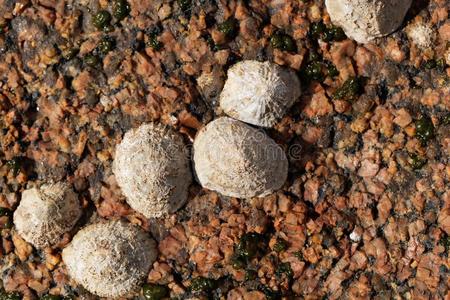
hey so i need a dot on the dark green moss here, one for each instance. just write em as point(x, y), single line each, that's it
point(283, 42)
point(6, 222)
point(334, 34)
point(417, 162)
point(276, 41)
point(313, 71)
point(250, 245)
point(350, 90)
point(154, 291)
point(317, 29)
point(184, 4)
point(446, 120)
point(71, 53)
point(284, 268)
point(332, 70)
point(338, 33)
point(269, 293)
point(91, 60)
point(15, 165)
point(429, 64)
point(101, 19)
point(108, 28)
point(121, 9)
point(238, 262)
point(280, 245)
point(51, 297)
point(327, 36)
point(250, 275)
point(440, 65)
point(105, 45)
point(9, 296)
point(313, 56)
point(202, 284)
point(299, 255)
point(424, 129)
point(153, 42)
point(4, 212)
point(229, 28)
point(212, 45)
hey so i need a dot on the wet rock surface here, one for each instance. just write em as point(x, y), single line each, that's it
point(364, 211)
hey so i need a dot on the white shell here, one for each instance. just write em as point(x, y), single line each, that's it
point(110, 259)
point(45, 214)
point(259, 93)
point(152, 168)
point(365, 20)
point(237, 160)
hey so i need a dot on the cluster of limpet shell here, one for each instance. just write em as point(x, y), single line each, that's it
point(153, 169)
point(235, 159)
